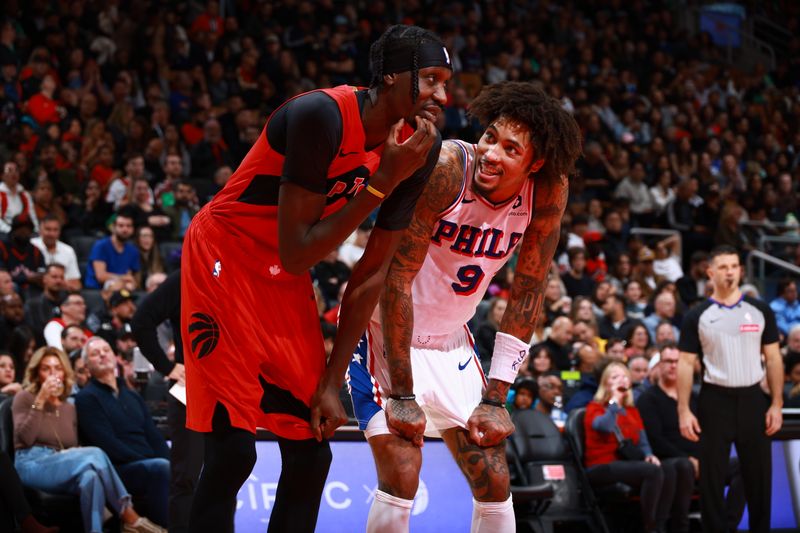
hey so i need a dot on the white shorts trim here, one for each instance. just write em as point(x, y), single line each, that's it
point(448, 385)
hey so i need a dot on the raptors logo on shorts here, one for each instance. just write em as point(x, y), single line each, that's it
point(204, 331)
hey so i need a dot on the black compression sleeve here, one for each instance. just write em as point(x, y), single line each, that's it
point(308, 132)
point(397, 209)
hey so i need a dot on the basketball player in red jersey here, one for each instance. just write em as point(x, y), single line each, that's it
point(254, 352)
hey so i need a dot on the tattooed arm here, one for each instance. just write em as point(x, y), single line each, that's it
point(405, 417)
point(488, 425)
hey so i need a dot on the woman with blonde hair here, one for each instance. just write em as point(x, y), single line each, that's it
point(617, 450)
point(47, 454)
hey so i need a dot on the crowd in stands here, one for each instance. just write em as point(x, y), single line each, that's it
point(118, 121)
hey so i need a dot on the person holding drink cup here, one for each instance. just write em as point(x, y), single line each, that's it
point(47, 455)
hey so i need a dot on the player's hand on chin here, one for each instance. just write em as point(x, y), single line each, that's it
point(489, 425)
point(401, 159)
point(406, 420)
point(327, 412)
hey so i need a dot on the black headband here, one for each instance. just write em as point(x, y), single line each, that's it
point(399, 57)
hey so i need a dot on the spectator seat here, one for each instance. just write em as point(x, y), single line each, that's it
point(542, 460)
point(83, 246)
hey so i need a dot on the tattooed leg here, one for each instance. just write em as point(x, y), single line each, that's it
point(398, 463)
point(487, 473)
point(486, 469)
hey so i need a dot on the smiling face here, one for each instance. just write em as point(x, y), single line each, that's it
point(505, 157)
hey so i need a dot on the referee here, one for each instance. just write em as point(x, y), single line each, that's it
point(730, 332)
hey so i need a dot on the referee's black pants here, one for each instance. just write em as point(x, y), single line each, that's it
point(734, 415)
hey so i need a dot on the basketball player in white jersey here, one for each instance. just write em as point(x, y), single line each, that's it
point(416, 372)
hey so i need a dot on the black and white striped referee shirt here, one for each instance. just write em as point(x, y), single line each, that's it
point(728, 339)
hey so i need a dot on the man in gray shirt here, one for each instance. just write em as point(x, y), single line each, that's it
point(729, 332)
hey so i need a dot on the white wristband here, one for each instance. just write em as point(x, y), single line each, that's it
point(507, 358)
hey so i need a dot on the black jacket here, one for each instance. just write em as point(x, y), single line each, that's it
point(162, 304)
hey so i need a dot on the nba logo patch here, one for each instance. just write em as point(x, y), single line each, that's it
point(217, 268)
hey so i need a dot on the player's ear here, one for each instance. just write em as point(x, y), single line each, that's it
point(389, 79)
point(536, 166)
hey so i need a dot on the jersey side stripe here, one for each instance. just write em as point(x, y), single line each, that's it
point(475, 355)
point(377, 389)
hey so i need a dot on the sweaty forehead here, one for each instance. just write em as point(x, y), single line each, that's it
point(513, 130)
point(511, 126)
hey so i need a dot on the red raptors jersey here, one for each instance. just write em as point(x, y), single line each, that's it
point(247, 208)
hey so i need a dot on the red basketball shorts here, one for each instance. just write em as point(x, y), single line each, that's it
point(251, 343)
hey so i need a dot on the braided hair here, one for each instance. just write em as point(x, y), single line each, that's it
point(554, 132)
point(394, 34)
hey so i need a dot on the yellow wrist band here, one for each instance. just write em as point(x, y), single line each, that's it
point(372, 190)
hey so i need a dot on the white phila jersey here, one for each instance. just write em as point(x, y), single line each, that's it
point(471, 241)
